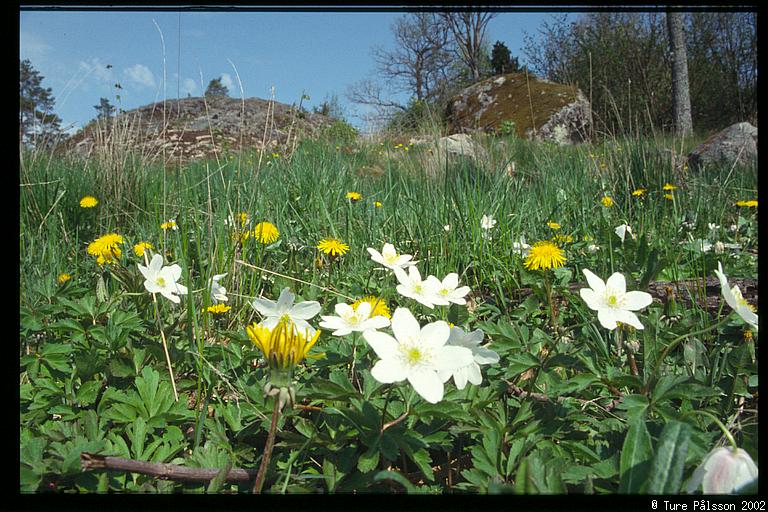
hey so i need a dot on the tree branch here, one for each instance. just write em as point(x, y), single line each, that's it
point(163, 471)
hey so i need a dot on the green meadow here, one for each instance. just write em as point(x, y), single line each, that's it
point(110, 370)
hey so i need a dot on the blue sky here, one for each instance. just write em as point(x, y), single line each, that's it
point(316, 53)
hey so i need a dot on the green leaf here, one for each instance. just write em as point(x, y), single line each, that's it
point(368, 461)
point(396, 477)
point(667, 466)
point(217, 482)
point(87, 393)
point(636, 455)
point(138, 435)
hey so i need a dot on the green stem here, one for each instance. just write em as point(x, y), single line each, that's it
point(682, 337)
point(719, 423)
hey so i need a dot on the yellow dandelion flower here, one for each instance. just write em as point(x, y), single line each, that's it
point(283, 347)
point(333, 246)
point(88, 202)
point(553, 225)
point(639, 192)
point(544, 255)
point(752, 203)
point(218, 309)
point(171, 224)
point(669, 187)
point(266, 232)
point(378, 306)
point(106, 248)
point(607, 201)
point(243, 218)
point(63, 278)
point(354, 196)
point(141, 247)
point(669, 197)
point(377, 204)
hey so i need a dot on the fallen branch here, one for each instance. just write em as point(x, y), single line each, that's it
point(163, 471)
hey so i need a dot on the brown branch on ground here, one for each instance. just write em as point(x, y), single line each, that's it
point(92, 461)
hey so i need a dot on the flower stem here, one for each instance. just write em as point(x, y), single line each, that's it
point(162, 337)
point(719, 423)
point(682, 337)
point(259, 483)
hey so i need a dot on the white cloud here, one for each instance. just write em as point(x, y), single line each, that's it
point(140, 75)
point(226, 81)
point(189, 86)
point(97, 69)
point(32, 47)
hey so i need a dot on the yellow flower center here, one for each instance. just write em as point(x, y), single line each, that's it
point(413, 355)
point(612, 300)
point(160, 281)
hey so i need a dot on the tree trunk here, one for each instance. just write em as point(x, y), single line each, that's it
point(681, 100)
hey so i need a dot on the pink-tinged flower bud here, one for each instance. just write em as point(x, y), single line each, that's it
point(723, 471)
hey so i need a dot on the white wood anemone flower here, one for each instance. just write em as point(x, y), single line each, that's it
point(723, 471)
point(218, 292)
point(351, 319)
point(521, 247)
point(412, 286)
point(389, 257)
point(735, 299)
point(162, 280)
point(612, 301)
point(285, 309)
point(449, 289)
point(416, 354)
point(487, 222)
point(621, 232)
point(481, 355)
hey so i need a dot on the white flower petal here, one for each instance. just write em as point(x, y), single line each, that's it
point(385, 346)
point(634, 301)
point(404, 325)
point(265, 307)
point(387, 371)
point(617, 283)
point(452, 358)
point(427, 384)
point(285, 301)
point(607, 318)
point(305, 310)
point(592, 299)
point(435, 334)
point(597, 284)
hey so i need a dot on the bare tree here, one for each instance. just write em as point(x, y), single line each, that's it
point(418, 65)
point(468, 30)
point(681, 100)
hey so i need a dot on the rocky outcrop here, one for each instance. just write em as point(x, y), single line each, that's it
point(532, 107)
point(189, 129)
point(735, 144)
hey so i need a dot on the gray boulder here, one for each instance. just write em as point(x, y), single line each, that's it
point(735, 144)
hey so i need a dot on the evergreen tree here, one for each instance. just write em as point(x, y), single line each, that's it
point(216, 89)
point(37, 121)
point(502, 60)
point(104, 109)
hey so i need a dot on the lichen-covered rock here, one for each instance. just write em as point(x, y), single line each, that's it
point(532, 107)
point(190, 129)
point(737, 143)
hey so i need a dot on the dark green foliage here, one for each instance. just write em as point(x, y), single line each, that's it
point(38, 124)
point(502, 60)
point(104, 109)
point(622, 63)
point(216, 89)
